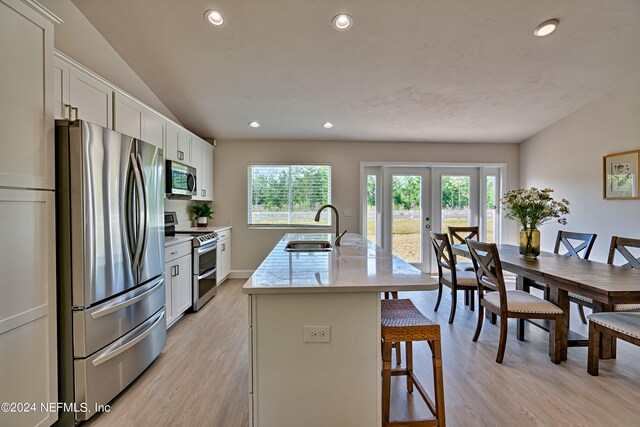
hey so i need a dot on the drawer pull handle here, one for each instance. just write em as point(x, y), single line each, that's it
point(113, 307)
point(174, 252)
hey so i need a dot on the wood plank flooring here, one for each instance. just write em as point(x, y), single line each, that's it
point(201, 377)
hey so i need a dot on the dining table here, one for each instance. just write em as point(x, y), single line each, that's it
point(605, 284)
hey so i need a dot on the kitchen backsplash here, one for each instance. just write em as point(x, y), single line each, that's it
point(183, 209)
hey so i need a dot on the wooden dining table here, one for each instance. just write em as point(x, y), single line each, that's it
point(605, 284)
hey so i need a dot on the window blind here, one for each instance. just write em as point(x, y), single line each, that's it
point(288, 194)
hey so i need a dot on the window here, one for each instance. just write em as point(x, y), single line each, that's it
point(284, 195)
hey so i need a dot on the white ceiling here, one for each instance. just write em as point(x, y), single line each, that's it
point(408, 70)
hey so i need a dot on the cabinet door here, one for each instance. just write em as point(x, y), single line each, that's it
point(168, 286)
point(128, 115)
point(153, 126)
point(184, 146)
point(181, 292)
point(207, 169)
point(171, 142)
point(26, 97)
point(92, 98)
point(28, 341)
point(224, 260)
point(60, 89)
point(196, 162)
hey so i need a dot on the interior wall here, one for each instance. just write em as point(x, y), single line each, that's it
point(79, 39)
point(568, 157)
point(250, 246)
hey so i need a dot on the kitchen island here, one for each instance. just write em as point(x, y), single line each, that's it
point(314, 332)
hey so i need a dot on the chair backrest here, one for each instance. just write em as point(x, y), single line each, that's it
point(583, 242)
point(460, 234)
point(444, 254)
point(622, 245)
point(488, 268)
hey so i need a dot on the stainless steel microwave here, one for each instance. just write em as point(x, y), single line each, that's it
point(181, 180)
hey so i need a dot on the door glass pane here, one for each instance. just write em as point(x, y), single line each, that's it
point(490, 207)
point(405, 222)
point(455, 201)
point(371, 208)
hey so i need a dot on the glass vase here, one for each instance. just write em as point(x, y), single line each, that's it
point(530, 243)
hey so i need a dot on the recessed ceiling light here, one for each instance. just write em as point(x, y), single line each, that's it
point(214, 17)
point(254, 124)
point(546, 28)
point(342, 22)
point(327, 125)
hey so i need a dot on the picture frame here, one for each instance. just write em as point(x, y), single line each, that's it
point(620, 176)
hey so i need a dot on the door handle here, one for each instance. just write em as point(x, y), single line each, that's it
point(76, 111)
point(140, 231)
point(64, 111)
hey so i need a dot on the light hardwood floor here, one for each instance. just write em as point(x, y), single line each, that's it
point(201, 377)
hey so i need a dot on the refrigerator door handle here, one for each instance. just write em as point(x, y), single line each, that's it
point(113, 307)
point(145, 209)
point(139, 194)
point(126, 346)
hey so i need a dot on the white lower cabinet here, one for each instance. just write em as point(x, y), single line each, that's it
point(177, 276)
point(223, 256)
point(28, 341)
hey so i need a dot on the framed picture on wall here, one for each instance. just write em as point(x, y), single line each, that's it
point(620, 175)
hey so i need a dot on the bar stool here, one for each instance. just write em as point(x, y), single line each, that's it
point(402, 321)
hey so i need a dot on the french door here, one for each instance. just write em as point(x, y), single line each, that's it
point(406, 219)
point(400, 205)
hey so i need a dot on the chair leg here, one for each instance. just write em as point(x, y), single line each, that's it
point(593, 353)
point(479, 324)
point(582, 316)
point(454, 300)
point(386, 382)
point(398, 354)
point(614, 345)
point(466, 297)
point(520, 331)
point(472, 300)
point(409, 348)
point(556, 357)
point(503, 338)
point(493, 318)
point(438, 381)
point(439, 297)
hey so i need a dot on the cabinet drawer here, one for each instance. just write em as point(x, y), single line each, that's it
point(222, 235)
point(177, 251)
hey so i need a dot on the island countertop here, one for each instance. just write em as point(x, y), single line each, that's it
point(356, 266)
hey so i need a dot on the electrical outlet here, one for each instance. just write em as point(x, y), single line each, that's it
point(317, 334)
point(348, 212)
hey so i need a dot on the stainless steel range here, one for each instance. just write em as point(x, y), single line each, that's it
point(205, 248)
point(204, 259)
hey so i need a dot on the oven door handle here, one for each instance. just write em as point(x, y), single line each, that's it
point(205, 249)
point(207, 273)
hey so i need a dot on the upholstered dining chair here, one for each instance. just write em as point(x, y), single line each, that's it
point(493, 295)
point(457, 236)
point(448, 275)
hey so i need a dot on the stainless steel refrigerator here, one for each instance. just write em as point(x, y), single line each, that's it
point(110, 246)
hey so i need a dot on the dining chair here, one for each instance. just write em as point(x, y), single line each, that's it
point(449, 276)
point(624, 246)
point(625, 326)
point(458, 235)
point(506, 303)
point(583, 243)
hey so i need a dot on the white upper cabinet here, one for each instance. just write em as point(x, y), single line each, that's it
point(178, 144)
point(153, 128)
point(129, 114)
point(202, 160)
point(206, 189)
point(26, 100)
point(79, 95)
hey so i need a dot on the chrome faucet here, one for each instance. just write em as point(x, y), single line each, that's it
point(333, 208)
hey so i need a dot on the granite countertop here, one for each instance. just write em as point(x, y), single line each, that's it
point(355, 266)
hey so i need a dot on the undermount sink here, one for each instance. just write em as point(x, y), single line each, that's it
point(308, 246)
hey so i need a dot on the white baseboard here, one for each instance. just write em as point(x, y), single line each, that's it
point(240, 274)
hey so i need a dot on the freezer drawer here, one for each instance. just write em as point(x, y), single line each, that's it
point(100, 378)
point(101, 325)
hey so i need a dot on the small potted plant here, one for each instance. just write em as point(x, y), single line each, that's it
point(533, 207)
point(202, 213)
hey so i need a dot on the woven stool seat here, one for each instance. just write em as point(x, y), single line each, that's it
point(401, 321)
